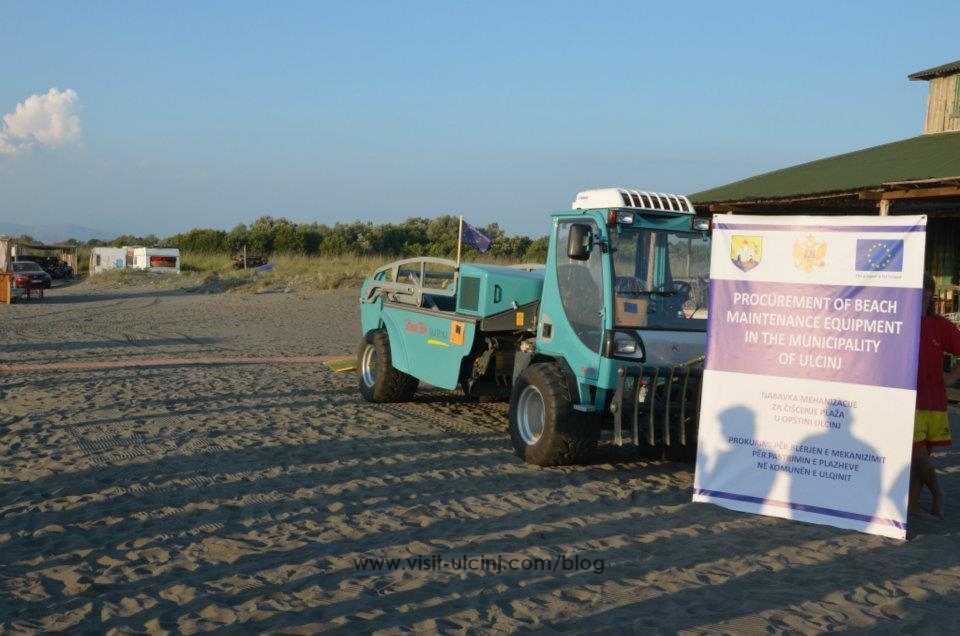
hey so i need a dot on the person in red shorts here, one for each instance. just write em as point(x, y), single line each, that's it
point(931, 426)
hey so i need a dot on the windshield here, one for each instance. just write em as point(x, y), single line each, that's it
point(26, 266)
point(661, 278)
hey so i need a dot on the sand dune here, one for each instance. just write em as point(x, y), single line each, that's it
point(268, 497)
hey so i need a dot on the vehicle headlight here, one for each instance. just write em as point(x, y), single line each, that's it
point(623, 344)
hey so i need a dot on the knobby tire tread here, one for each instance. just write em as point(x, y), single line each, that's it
point(574, 436)
point(390, 385)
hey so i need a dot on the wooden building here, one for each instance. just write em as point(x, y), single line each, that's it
point(943, 98)
point(920, 175)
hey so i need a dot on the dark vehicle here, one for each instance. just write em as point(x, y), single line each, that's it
point(250, 262)
point(62, 270)
point(54, 266)
point(29, 275)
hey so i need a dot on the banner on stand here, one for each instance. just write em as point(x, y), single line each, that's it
point(810, 374)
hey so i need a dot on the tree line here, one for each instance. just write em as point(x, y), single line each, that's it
point(416, 236)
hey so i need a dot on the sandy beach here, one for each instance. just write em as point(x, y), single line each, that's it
point(175, 459)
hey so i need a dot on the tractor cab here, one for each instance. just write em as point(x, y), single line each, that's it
point(631, 270)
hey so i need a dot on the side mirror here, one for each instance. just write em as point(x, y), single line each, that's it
point(702, 225)
point(579, 242)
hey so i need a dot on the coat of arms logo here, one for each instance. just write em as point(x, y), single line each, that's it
point(810, 254)
point(746, 251)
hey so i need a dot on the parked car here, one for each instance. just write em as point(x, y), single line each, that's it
point(26, 273)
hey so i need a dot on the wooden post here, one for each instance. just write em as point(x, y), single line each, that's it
point(459, 241)
point(244, 257)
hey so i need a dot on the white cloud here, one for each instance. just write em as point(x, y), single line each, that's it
point(6, 148)
point(48, 120)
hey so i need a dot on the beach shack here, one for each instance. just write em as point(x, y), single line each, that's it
point(164, 260)
point(12, 249)
point(104, 259)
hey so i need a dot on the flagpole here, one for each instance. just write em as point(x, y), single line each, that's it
point(459, 241)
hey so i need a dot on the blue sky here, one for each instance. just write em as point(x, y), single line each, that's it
point(174, 115)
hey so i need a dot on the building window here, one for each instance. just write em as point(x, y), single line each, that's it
point(163, 261)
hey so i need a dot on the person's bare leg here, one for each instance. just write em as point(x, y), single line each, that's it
point(923, 473)
point(933, 483)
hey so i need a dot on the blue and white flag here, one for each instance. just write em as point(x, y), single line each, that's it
point(473, 236)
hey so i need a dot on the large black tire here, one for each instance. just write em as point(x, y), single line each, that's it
point(544, 427)
point(379, 381)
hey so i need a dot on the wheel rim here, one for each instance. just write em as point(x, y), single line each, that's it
point(368, 366)
point(530, 415)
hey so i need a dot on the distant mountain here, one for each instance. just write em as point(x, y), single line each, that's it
point(54, 233)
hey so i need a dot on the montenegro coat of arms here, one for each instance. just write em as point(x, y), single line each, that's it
point(810, 254)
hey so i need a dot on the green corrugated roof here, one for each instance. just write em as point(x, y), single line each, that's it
point(930, 73)
point(934, 156)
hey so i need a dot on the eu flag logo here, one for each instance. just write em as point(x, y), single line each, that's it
point(879, 255)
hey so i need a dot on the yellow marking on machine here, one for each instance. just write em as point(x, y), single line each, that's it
point(456, 332)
